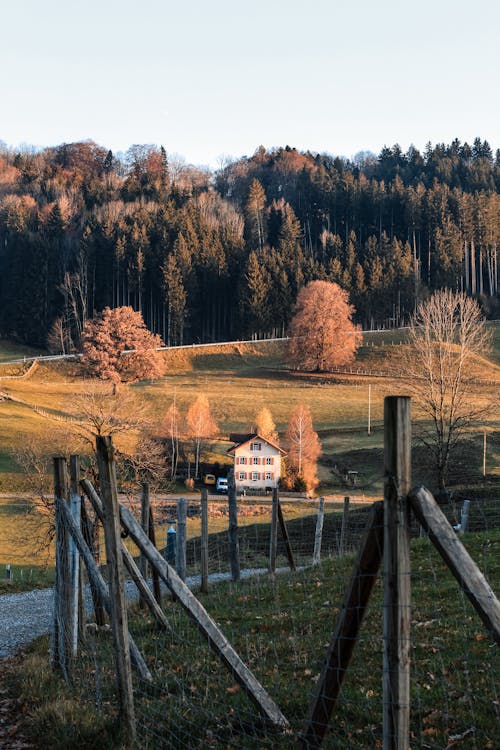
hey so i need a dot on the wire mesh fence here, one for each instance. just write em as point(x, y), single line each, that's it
point(281, 625)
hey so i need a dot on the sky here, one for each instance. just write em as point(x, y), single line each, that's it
point(213, 79)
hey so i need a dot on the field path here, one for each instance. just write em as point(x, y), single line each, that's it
point(27, 615)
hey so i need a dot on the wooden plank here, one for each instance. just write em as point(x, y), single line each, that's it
point(129, 562)
point(114, 561)
point(61, 649)
point(234, 547)
point(460, 563)
point(397, 589)
point(207, 626)
point(101, 586)
point(286, 538)
point(180, 555)
point(204, 540)
point(145, 508)
point(346, 631)
point(343, 530)
point(74, 557)
point(87, 532)
point(154, 574)
point(273, 542)
point(319, 531)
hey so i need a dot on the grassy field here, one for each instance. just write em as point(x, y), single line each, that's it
point(238, 380)
point(281, 628)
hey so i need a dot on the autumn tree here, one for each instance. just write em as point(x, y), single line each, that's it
point(304, 448)
point(264, 425)
point(447, 334)
point(200, 426)
point(322, 334)
point(171, 430)
point(118, 347)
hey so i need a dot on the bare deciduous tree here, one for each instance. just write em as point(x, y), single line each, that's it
point(304, 448)
point(322, 334)
point(447, 334)
point(171, 429)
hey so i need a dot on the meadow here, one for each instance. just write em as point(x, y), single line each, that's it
point(238, 380)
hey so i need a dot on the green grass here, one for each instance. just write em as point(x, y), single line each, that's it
point(281, 629)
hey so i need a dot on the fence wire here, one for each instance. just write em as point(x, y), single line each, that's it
point(281, 626)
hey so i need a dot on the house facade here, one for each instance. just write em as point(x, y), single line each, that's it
point(257, 462)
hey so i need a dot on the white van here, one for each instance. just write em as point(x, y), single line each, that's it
point(221, 485)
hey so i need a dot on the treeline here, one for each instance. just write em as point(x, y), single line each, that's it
point(207, 257)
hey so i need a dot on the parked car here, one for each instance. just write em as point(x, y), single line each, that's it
point(221, 485)
point(209, 479)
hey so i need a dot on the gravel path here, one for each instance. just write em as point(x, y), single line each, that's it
point(25, 616)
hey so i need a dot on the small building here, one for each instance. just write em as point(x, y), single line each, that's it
point(257, 462)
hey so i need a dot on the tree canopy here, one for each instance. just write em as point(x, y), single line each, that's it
point(118, 347)
point(216, 257)
point(322, 334)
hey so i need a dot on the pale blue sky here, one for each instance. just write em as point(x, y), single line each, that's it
point(207, 79)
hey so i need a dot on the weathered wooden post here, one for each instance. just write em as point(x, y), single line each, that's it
point(154, 575)
point(204, 540)
point(62, 638)
point(273, 542)
point(343, 530)
point(319, 531)
point(118, 604)
point(234, 548)
point(76, 571)
point(145, 508)
point(284, 534)
point(180, 557)
point(88, 535)
point(396, 612)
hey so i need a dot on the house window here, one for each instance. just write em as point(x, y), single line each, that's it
point(241, 460)
point(255, 446)
point(256, 460)
point(269, 460)
point(269, 475)
point(242, 475)
point(255, 476)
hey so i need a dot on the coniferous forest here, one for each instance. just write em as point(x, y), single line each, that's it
point(216, 256)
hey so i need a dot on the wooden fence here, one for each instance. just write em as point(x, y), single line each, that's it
point(386, 545)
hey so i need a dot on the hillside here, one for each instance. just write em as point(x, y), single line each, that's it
point(238, 380)
point(223, 256)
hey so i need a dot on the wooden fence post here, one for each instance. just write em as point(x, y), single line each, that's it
point(88, 535)
point(273, 542)
point(62, 648)
point(319, 531)
point(284, 534)
point(234, 548)
point(77, 609)
point(204, 540)
point(396, 609)
point(346, 631)
point(154, 573)
point(180, 557)
point(343, 530)
point(118, 604)
point(145, 508)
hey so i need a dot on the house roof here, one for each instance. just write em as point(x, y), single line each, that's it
point(247, 438)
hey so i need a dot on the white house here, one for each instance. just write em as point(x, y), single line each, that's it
point(257, 462)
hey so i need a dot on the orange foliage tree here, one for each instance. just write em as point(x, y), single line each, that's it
point(264, 425)
point(322, 334)
point(113, 332)
point(200, 426)
point(304, 448)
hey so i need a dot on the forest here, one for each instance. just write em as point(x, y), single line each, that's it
point(212, 256)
